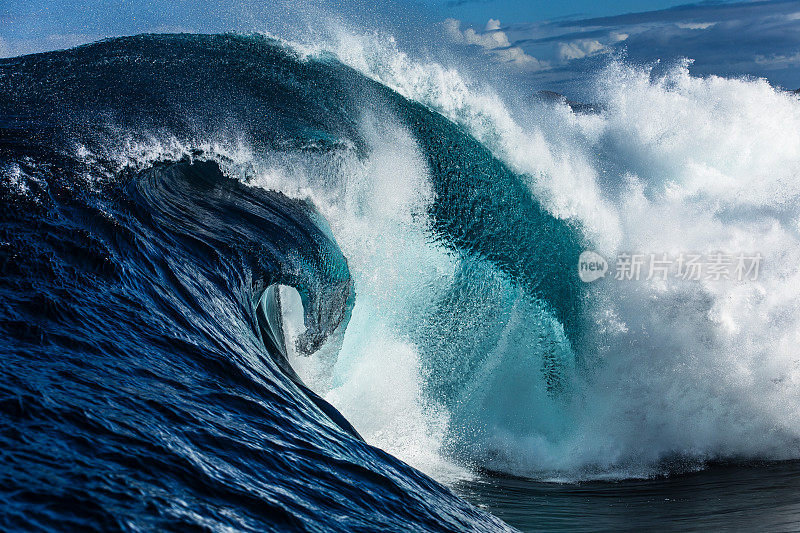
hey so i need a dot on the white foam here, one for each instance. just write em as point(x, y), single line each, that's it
point(700, 370)
point(375, 207)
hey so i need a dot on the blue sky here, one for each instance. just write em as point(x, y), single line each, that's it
point(548, 44)
point(752, 38)
point(479, 11)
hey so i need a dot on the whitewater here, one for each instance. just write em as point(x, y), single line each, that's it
point(672, 374)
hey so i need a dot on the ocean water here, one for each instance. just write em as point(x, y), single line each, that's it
point(258, 284)
point(757, 497)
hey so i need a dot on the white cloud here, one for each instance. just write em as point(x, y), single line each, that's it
point(695, 25)
point(489, 40)
point(778, 60)
point(495, 42)
point(517, 56)
point(579, 49)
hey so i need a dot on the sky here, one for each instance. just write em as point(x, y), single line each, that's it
point(548, 44)
point(479, 11)
point(754, 38)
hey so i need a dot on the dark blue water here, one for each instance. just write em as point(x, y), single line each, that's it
point(762, 497)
